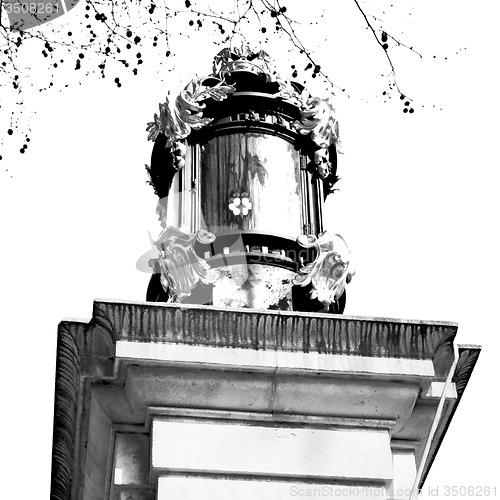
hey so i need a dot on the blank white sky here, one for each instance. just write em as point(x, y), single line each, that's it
point(418, 206)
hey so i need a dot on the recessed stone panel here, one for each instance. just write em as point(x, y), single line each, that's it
point(261, 450)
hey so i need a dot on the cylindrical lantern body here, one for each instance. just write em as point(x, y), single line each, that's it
point(257, 170)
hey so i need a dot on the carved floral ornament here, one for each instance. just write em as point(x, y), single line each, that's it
point(330, 271)
point(240, 204)
point(179, 116)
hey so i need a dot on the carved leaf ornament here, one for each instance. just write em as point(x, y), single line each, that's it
point(181, 269)
point(319, 119)
point(330, 271)
point(177, 119)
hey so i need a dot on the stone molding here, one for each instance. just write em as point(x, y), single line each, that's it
point(273, 330)
point(83, 349)
point(271, 419)
point(468, 356)
point(467, 359)
point(65, 410)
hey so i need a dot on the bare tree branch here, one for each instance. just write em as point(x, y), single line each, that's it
point(110, 30)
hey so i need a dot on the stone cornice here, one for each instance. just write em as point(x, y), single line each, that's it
point(273, 330)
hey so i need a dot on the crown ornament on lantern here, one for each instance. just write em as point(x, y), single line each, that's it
point(243, 59)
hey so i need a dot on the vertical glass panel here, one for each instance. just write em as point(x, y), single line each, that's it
point(316, 217)
point(311, 204)
point(265, 167)
point(183, 198)
point(173, 201)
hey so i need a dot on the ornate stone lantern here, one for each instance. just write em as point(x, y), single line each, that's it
point(242, 163)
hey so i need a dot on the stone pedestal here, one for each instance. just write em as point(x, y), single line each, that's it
point(157, 401)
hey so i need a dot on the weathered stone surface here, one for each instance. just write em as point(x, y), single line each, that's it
point(131, 459)
point(253, 285)
point(273, 330)
point(270, 392)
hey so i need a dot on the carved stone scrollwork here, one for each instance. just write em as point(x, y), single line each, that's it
point(466, 362)
point(330, 271)
point(181, 268)
point(66, 400)
point(178, 118)
point(83, 350)
point(319, 119)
